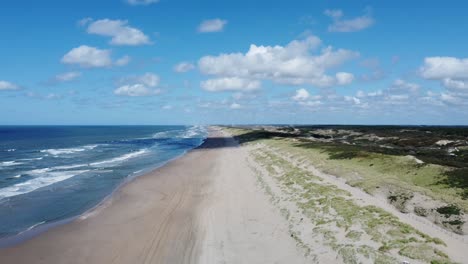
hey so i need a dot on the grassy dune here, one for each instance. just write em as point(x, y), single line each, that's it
point(369, 170)
point(355, 232)
point(398, 176)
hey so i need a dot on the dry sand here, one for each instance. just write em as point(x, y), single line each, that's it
point(204, 207)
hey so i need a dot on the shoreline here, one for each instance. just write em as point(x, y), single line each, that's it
point(228, 203)
point(40, 228)
point(204, 207)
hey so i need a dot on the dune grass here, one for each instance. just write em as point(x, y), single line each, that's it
point(333, 213)
point(370, 170)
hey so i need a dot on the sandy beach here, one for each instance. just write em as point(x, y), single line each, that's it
point(204, 207)
point(228, 203)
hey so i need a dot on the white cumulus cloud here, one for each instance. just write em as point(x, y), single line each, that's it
point(230, 84)
point(4, 85)
point(212, 25)
point(135, 90)
point(235, 106)
point(343, 78)
point(301, 95)
point(292, 64)
point(348, 25)
point(119, 31)
point(352, 99)
point(137, 86)
point(88, 57)
point(455, 84)
point(450, 71)
point(438, 68)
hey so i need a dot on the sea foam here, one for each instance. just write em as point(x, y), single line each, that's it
point(119, 159)
point(57, 152)
point(9, 163)
point(47, 178)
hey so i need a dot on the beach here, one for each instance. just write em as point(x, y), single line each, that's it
point(243, 199)
point(204, 207)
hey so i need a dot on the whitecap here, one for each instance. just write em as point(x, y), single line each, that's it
point(194, 131)
point(57, 152)
point(32, 159)
point(67, 167)
point(166, 134)
point(9, 163)
point(44, 180)
point(39, 171)
point(120, 158)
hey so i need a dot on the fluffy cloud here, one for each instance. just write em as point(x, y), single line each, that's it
point(4, 85)
point(120, 31)
point(352, 99)
point(455, 84)
point(301, 95)
point(67, 76)
point(142, 2)
point(453, 98)
point(451, 72)
point(291, 64)
point(135, 90)
point(88, 57)
point(212, 25)
point(438, 68)
point(348, 25)
point(400, 92)
point(137, 86)
point(184, 67)
point(147, 79)
point(343, 78)
point(230, 84)
point(303, 98)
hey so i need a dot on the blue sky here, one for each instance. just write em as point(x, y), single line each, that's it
point(205, 62)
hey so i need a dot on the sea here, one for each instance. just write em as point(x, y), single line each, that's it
point(52, 173)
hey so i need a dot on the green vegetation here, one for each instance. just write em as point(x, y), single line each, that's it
point(334, 215)
point(389, 161)
point(449, 210)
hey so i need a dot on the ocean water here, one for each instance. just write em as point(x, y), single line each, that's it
point(51, 173)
